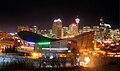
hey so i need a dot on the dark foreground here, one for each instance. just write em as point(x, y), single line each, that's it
point(24, 64)
point(110, 67)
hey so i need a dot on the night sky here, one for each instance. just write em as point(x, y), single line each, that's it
point(42, 13)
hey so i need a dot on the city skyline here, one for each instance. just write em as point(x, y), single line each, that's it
point(42, 14)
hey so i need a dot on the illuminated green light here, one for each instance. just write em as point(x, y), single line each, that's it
point(43, 43)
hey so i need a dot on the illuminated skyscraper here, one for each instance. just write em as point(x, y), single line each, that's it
point(107, 30)
point(77, 20)
point(101, 27)
point(96, 32)
point(86, 29)
point(95, 28)
point(65, 30)
point(23, 28)
point(57, 28)
point(34, 29)
point(73, 29)
point(104, 29)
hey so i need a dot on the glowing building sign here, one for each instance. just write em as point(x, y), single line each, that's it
point(44, 43)
point(60, 49)
point(31, 42)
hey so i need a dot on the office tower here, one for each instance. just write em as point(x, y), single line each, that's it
point(107, 30)
point(57, 28)
point(73, 29)
point(96, 32)
point(34, 29)
point(23, 28)
point(101, 27)
point(86, 29)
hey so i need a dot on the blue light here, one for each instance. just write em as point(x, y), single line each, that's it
point(30, 42)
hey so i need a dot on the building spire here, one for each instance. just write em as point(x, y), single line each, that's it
point(77, 20)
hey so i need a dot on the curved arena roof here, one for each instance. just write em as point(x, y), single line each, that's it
point(33, 37)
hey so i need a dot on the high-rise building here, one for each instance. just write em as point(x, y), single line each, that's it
point(107, 30)
point(5, 35)
point(57, 28)
point(87, 29)
point(23, 28)
point(95, 28)
point(115, 34)
point(96, 32)
point(101, 27)
point(65, 31)
point(104, 29)
point(80, 31)
point(34, 29)
point(46, 33)
point(73, 29)
point(77, 20)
